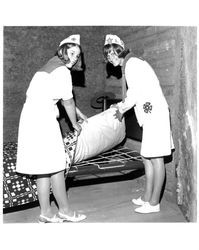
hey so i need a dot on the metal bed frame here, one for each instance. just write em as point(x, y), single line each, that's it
point(115, 160)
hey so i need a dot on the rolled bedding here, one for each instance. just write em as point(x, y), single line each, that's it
point(102, 132)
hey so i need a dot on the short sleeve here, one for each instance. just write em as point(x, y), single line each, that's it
point(62, 83)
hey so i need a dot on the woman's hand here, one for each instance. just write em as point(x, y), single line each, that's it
point(118, 115)
point(77, 127)
point(81, 117)
point(114, 105)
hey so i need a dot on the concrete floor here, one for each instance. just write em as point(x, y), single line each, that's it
point(106, 199)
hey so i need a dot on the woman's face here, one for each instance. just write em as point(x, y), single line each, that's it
point(73, 55)
point(113, 59)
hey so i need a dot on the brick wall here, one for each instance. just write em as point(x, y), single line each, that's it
point(26, 49)
point(186, 122)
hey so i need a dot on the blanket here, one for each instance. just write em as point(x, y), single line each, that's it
point(20, 189)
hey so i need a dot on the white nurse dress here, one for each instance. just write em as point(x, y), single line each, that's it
point(145, 95)
point(40, 143)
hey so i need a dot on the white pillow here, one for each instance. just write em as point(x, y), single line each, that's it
point(102, 132)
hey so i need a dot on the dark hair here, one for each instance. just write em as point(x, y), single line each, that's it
point(117, 50)
point(62, 50)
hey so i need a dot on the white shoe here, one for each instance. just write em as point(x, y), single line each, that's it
point(75, 218)
point(138, 201)
point(45, 219)
point(148, 208)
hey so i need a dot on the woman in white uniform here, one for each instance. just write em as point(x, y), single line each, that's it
point(40, 144)
point(145, 95)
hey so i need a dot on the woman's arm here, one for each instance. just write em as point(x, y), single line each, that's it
point(80, 115)
point(70, 108)
point(132, 76)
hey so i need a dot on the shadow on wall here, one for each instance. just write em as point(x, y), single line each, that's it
point(113, 71)
point(78, 72)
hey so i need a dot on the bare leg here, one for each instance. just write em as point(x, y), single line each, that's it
point(149, 172)
point(43, 190)
point(59, 191)
point(159, 176)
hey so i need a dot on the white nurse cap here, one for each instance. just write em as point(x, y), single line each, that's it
point(113, 39)
point(71, 39)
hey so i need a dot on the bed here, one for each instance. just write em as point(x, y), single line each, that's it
point(21, 189)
